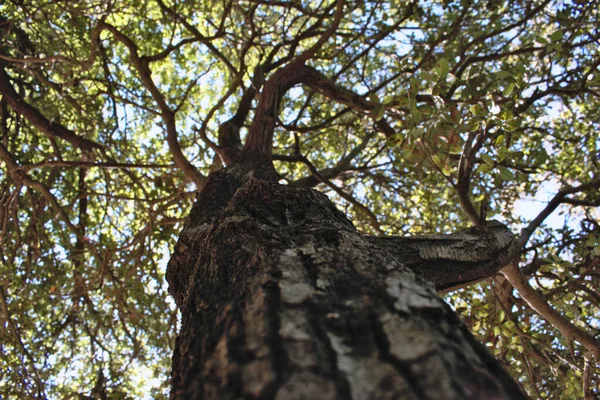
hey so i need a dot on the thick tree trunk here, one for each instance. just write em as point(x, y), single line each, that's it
point(281, 298)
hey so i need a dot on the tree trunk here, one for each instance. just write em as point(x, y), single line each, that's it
point(281, 298)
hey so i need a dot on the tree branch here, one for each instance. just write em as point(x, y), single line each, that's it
point(205, 40)
point(6, 315)
point(91, 164)
point(541, 306)
point(261, 131)
point(361, 208)
point(558, 199)
point(341, 166)
point(588, 392)
point(35, 117)
point(19, 175)
point(455, 260)
point(337, 17)
point(465, 171)
point(168, 115)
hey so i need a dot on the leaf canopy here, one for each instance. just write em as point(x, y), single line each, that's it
point(111, 114)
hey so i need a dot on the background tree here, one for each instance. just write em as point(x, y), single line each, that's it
point(415, 118)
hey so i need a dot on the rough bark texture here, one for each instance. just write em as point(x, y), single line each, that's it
point(459, 259)
point(281, 298)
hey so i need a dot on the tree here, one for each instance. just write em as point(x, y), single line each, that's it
point(415, 118)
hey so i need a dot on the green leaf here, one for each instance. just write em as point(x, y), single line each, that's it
point(512, 124)
point(502, 153)
point(506, 174)
point(378, 112)
point(416, 116)
point(488, 160)
point(556, 36)
point(569, 296)
point(508, 89)
point(478, 110)
point(503, 74)
point(555, 47)
point(485, 168)
point(516, 155)
point(456, 148)
point(374, 98)
point(442, 67)
point(472, 126)
point(417, 133)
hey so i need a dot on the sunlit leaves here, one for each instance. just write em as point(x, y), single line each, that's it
point(509, 88)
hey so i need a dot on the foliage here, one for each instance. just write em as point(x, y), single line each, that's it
point(455, 104)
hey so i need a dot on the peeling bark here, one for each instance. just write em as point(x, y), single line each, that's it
point(281, 298)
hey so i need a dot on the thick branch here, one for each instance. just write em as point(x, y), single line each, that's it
point(168, 115)
point(35, 117)
point(465, 171)
point(456, 260)
point(230, 143)
point(261, 131)
point(541, 306)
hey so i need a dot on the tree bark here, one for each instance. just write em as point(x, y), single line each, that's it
point(456, 260)
point(281, 298)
